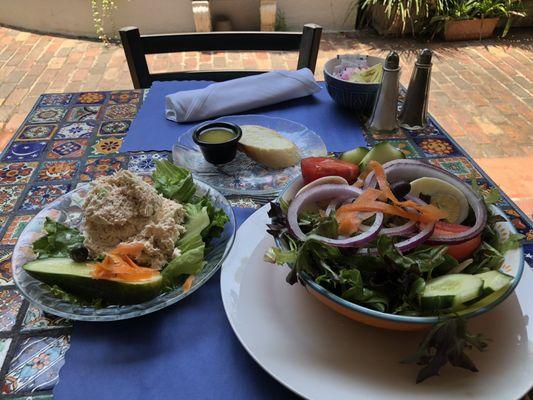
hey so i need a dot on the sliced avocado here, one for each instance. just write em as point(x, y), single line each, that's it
point(75, 278)
point(354, 156)
point(382, 152)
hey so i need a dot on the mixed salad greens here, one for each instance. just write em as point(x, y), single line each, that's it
point(64, 264)
point(375, 244)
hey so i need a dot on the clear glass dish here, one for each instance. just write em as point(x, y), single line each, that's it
point(68, 209)
point(244, 176)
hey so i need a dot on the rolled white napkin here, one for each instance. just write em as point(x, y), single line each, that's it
point(236, 95)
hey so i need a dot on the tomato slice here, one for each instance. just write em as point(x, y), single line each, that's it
point(318, 167)
point(461, 251)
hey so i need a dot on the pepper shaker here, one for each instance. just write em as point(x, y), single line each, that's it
point(383, 119)
point(413, 114)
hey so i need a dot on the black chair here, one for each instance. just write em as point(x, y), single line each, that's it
point(136, 46)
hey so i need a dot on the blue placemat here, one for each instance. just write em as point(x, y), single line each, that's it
point(150, 130)
point(186, 351)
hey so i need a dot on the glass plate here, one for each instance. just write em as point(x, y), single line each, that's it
point(244, 176)
point(68, 209)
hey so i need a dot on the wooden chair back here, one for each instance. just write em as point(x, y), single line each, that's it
point(137, 46)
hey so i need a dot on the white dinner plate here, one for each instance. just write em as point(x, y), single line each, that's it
point(322, 355)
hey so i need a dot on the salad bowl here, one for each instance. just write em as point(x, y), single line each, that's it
point(357, 96)
point(67, 210)
point(512, 266)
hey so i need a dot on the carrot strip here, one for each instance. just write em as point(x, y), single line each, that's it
point(128, 249)
point(188, 283)
point(348, 223)
point(348, 218)
point(120, 267)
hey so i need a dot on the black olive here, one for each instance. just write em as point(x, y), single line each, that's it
point(79, 254)
point(400, 189)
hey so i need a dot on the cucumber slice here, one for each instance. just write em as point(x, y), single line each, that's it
point(484, 301)
point(436, 303)
point(450, 291)
point(494, 281)
point(354, 156)
point(75, 278)
point(444, 196)
point(382, 152)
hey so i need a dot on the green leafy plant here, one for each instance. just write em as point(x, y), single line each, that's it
point(101, 10)
point(409, 12)
point(281, 23)
point(429, 17)
point(454, 10)
point(501, 9)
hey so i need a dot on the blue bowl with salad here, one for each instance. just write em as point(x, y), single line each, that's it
point(353, 81)
point(394, 243)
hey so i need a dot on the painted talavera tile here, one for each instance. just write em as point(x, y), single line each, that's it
point(10, 302)
point(35, 365)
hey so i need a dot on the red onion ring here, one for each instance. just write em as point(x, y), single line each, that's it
point(332, 206)
point(401, 230)
point(409, 170)
point(324, 192)
point(416, 240)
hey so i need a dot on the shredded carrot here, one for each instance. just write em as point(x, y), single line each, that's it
point(348, 215)
point(128, 249)
point(434, 213)
point(118, 266)
point(348, 223)
point(188, 283)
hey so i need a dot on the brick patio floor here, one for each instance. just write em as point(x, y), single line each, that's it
point(481, 93)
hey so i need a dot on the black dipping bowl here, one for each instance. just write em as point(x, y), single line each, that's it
point(218, 153)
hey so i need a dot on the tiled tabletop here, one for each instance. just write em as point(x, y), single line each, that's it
point(75, 137)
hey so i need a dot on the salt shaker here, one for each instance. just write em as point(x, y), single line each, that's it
point(383, 119)
point(413, 114)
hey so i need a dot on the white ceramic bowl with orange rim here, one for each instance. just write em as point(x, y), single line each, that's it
point(513, 266)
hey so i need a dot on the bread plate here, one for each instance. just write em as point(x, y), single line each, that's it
point(243, 175)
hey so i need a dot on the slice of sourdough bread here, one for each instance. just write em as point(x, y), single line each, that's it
point(268, 147)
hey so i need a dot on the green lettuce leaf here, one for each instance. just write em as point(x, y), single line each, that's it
point(177, 184)
point(189, 262)
point(314, 223)
point(512, 242)
point(217, 219)
point(192, 248)
point(354, 291)
point(275, 255)
point(490, 196)
point(485, 258)
point(58, 241)
point(197, 220)
point(173, 182)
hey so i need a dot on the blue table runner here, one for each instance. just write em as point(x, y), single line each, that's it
point(151, 131)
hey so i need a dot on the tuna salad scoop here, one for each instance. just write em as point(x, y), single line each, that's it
point(122, 208)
